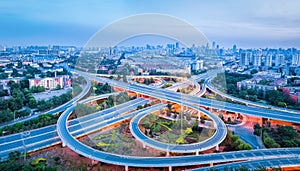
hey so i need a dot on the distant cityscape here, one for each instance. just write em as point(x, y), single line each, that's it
point(273, 68)
point(39, 79)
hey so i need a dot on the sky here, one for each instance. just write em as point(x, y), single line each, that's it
point(249, 24)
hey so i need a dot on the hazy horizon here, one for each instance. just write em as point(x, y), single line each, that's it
point(252, 24)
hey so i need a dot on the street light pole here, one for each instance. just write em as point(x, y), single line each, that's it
point(27, 133)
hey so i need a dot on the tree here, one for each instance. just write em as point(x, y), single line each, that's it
point(13, 156)
point(3, 75)
point(254, 71)
point(270, 143)
point(32, 103)
point(169, 106)
point(124, 78)
point(175, 116)
point(3, 93)
point(24, 84)
point(15, 103)
point(229, 119)
point(4, 104)
point(168, 113)
point(257, 129)
point(221, 116)
point(6, 115)
point(202, 120)
point(58, 87)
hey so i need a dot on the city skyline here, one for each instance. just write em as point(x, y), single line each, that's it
point(248, 24)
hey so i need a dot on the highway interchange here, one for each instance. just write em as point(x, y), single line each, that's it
point(67, 131)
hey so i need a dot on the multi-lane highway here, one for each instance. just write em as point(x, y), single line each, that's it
point(174, 161)
point(179, 98)
point(89, 152)
point(215, 140)
point(247, 102)
point(47, 136)
point(255, 164)
point(82, 127)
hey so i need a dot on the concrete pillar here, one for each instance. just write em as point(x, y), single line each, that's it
point(170, 168)
point(199, 115)
point(211, 164)
point(144, 145)
point(126, 168)
point(63, 144)
point(217, 147)
point(197, 153)
point(168, 154)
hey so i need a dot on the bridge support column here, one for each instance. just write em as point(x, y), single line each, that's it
point(199, 115)
point(168, 154)
point(211, 164)
point(217, 148)
point(144, 145)
point(63, 144)
point(126, 168)
point(170, 168)
point(197, 153)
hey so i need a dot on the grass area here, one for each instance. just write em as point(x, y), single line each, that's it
point(174, 132)
point(118, 141)
point(167, 85)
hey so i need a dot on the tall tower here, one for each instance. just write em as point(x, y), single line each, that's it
point(245, 57)
point(268, 61)
point(279, 60)
point(257, 60)
point(234, 48)
point(296, 60)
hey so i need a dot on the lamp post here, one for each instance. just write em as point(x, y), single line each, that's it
point(24, 134)
point(14, 115)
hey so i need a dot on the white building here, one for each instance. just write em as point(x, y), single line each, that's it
point(257, 60)
point(197, 65)
point(245, 58)
point(50, 82)
point(296, 60)
point(279, 60)
point(268, 61)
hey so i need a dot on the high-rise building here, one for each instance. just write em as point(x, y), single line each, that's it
point(296, 60)
point(268, 60)
point(197, 65)
point(177, 45)
point(245, 58)
point(213, 45)
point(257, 60)
point(234, 48)
point(279, 59)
